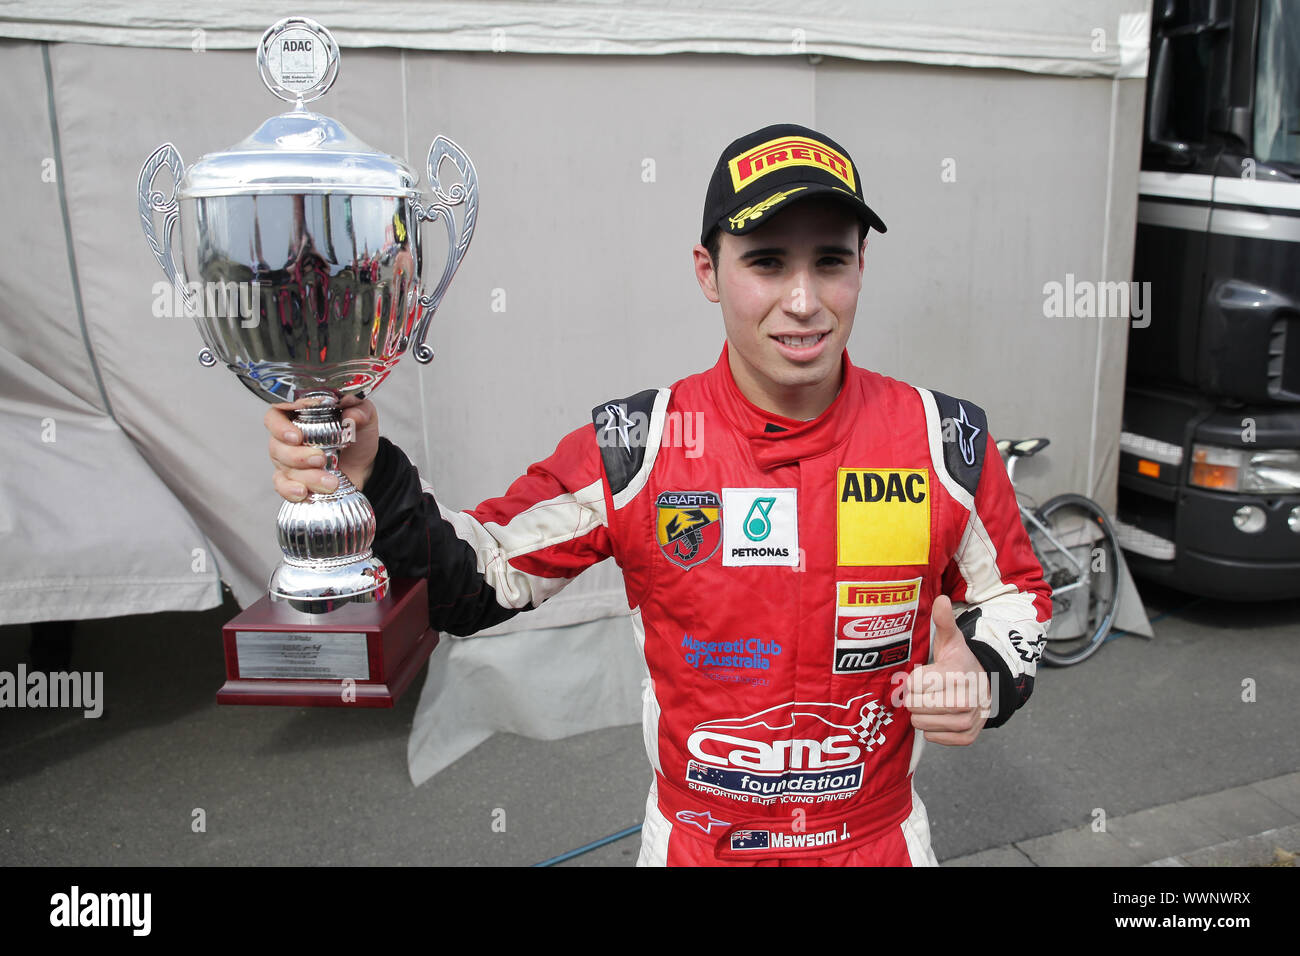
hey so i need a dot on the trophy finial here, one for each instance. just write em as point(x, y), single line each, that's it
point(298, 59)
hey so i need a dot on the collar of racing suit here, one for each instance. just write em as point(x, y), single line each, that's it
point(795, 440)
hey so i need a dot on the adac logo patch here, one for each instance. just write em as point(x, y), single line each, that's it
point(784, 152)
point(873, 624)
point(882, 517)
point(688, 526)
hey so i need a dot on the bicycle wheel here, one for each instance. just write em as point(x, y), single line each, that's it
point(1080, 557)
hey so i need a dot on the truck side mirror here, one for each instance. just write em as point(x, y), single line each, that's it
point(1175, 151)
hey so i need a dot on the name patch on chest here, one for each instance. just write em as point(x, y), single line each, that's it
point(882, 517)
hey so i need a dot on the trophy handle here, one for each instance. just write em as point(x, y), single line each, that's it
point(455, 194)
point(152, 201)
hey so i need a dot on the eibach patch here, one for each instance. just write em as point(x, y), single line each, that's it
point(873, 624)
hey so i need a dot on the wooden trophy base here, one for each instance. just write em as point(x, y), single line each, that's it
point(360, 655)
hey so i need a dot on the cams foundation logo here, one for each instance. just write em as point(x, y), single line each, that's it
point(882, 518)
point(798, 752)
point(688, 526)
point(873, 624)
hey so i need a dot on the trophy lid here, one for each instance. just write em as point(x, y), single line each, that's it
point(298, 151)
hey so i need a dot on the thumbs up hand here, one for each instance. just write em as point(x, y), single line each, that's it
point(949, 698)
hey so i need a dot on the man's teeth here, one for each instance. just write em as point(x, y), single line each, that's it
point(799, 341)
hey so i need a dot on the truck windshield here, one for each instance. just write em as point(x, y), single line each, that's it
point(1277, 85)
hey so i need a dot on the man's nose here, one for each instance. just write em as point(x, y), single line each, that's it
point(802, 300)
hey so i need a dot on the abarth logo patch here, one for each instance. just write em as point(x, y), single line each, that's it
point(688, 526)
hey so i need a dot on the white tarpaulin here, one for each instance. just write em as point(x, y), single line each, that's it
point(1099, 38)
point(90, 529)
point(578, 287)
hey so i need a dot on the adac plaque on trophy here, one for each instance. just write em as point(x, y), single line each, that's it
point(320, 234)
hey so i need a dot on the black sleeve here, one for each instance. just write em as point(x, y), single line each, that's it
point(414, 541)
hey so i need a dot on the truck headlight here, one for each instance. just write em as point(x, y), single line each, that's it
point(1236, 469)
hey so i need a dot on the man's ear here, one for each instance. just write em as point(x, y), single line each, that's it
point(705, 274)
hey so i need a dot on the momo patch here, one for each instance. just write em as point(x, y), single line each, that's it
point(688, 526)
point(784, 152)
point(873, 624)
point(882, 517)
point(760, 526)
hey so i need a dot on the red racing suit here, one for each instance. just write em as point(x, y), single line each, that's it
point(781, 575)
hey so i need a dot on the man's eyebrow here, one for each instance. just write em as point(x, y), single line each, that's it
point(780, 251)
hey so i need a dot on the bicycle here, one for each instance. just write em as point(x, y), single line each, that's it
point(1076, 546)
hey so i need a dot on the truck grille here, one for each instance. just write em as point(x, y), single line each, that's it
point(1284, 359)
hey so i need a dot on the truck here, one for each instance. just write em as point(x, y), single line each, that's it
point(1209, 472)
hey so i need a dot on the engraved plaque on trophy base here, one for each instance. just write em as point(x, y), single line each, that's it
point(358, 655)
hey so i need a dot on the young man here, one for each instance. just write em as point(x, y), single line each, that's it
point(792, 585)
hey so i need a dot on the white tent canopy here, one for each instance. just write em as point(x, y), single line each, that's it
point(1100, 38)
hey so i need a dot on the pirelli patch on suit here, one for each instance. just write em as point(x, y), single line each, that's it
point(873, 624)
point(882, 516)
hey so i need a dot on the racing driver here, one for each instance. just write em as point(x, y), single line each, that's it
point(839, 576)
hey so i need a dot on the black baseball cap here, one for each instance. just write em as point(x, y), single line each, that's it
point(773, 167)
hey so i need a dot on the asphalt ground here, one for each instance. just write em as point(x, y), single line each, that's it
point(1170, 750)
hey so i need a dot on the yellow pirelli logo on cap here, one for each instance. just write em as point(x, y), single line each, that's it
point(784, 152)
point(882, 517)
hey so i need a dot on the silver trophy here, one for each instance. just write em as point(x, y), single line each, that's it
point(320, 235)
